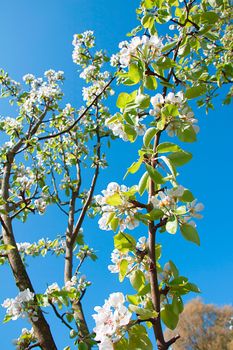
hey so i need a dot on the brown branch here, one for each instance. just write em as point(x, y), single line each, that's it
point(139, 204)
point(164, 291)
point(32, 346)
point(150, 72)
point(22, 280)
point(81, 116)
point(173, 340)
point(61, 317)
point(155, 293)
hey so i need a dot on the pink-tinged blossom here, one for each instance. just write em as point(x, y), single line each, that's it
point(20, 305)
point(110, 320)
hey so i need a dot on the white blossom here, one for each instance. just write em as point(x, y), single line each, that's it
point(124, 211)
point(109, 319)
point(18, 307)
point(194, 208)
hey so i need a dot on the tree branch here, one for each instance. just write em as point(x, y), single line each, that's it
point(60, 316)
point(81, 116)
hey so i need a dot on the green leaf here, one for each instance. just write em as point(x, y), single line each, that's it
point(6, 247)
point(187, 196)
point(149, 4)
point(124, 242)
point(149, 134)
point(190, 233)
point(143, 183)
point(170, 165)
point(209, 17)
point(169, 317)
point(169, 46)
point(180, 158)
point(133, 299)
point(155, 214)
point(123, 269)
point(130, 132)
point(69, 317)
point(142, 101)
point(171, 226)
point(130, 192)
point(143, 313)
point(166, 147)
point(177, 305)
point(138, 338)
point(137, 279)
point(150, 82)
point(82, 346)
point(134, 167)
point(195, 91)
point(134, 73)
point(154, 175)
point(179, 281)
point(192, 287)
point(145, 290)
point(166, 62)
point(7, 318)
point(187, 135)
point(110, 217)
point(122, 344)
point(170, 110)
point(114, 224)
point(148, 21)
point(174, 269)
point(123, 99)
point(114, 200)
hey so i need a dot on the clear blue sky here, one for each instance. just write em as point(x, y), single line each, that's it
point(36, 36)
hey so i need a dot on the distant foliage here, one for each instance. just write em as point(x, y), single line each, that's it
point(204, 327)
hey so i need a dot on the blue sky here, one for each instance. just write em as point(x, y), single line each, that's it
point(36, 36)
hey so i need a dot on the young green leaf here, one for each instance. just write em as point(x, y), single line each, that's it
point(166, 147)
point(169, 317)
point(123, 269)
point(149, 134)
point(190, 233)
point(180, 158)
point(124, 242)
point(154, 175)
point(143, 183)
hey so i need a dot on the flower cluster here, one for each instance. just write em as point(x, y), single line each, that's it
point(158, 101)
point(40, 205)
point(185, 118)
point(148, 47)
point(41, 91)
point(115, 200)
point(75, 287)
point(117, 127)
point(26, 338)
point(21, 306)
point(10, 125)
point(90, 92)
point(82, 42)
point(167, 201)
point(91, 63)
point(135, 259)
point(24, 177)
point(41, 247)
point(111, 320)
point(9, 87)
